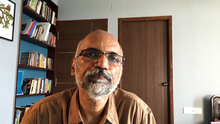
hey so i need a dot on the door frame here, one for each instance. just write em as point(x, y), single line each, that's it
point(170, 56)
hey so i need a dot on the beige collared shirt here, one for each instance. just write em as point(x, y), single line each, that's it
point(62, 108)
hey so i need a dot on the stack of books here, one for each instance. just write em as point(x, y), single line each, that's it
point(41, 8)
point(33, 58)
point(37, 85)
point(38, 31)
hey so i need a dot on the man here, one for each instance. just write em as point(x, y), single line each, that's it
point(97, 67)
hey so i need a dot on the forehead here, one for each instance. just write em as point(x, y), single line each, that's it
point(103, 41)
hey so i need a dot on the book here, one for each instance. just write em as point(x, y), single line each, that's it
point(50, 86)
point(32, 24)
point(50, 15)
point(39, 5)
point(35, 32)
point(16, 116)
point(26, 25)
point(49, 38)
point(27, 2)
point(19, 113)
point(38, 85)
point(49, 63)
point(33, 58)
point(24, 58)
point(45, 85)
point(46, 29)
point(43, 9)
point(19, 82)
point(34, 4)
point(39, 31)
point(35, 86)
point(42, 85)
point(47, 12)
point(54, 41)
point(53, 17)
point(33, 28)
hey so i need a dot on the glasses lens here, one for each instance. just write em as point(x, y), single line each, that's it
point(91, 54)
point(114, 58)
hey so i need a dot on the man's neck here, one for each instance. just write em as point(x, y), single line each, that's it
point(91, 110)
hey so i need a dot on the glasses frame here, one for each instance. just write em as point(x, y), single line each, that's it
point(102, 53)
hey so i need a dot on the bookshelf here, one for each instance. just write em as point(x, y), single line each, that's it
point(39, 69)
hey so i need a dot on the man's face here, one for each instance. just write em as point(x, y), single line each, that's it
point(98, 77)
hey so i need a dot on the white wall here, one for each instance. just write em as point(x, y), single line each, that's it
point(8, 68)
point(55, 1)
point(196, 43)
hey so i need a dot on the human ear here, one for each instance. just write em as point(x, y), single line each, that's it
point(73, 67)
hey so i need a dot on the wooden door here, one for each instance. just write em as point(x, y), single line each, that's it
point(146, 43)
point(70, 33)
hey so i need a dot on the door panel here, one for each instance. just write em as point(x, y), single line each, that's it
point(145, 44)
point(70, 33)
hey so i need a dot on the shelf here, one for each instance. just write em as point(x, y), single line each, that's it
point(34, 41)
point(31, 13)
point(33, 67)
point(26, 95)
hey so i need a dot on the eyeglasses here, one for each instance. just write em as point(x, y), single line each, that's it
point(92, 54)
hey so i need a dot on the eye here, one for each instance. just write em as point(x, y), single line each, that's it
point(90, 54)
point(113, 58)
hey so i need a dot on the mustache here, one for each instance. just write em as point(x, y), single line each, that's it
point(89, 74)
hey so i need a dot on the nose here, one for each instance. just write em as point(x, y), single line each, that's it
point(102, 62)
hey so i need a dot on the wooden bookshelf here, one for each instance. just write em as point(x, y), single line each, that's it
point(40, 47)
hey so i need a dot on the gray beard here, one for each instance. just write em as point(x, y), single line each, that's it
point(95, 87)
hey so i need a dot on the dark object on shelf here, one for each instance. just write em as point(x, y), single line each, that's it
point(215, 104)
point(26, 86)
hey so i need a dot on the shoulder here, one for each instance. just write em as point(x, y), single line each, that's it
point(130, 107)
point(54, 106)
point(131, 99)
point(55, 99)
point(123, 94)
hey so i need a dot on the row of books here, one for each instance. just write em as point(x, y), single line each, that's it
point(36, 30)
point(19, 113)
point(41, 8)
point(33, 58)
point(36, 85)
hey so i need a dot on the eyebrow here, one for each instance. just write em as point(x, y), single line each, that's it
point(92, 48)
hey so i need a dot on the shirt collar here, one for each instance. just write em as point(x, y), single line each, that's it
point(110, 110)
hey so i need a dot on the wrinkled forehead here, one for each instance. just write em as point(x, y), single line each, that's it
point(103, 41)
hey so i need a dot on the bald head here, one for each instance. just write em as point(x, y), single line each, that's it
point(100, 35)
point(99, 39)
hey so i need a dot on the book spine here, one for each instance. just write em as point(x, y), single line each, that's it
point(29, 31)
